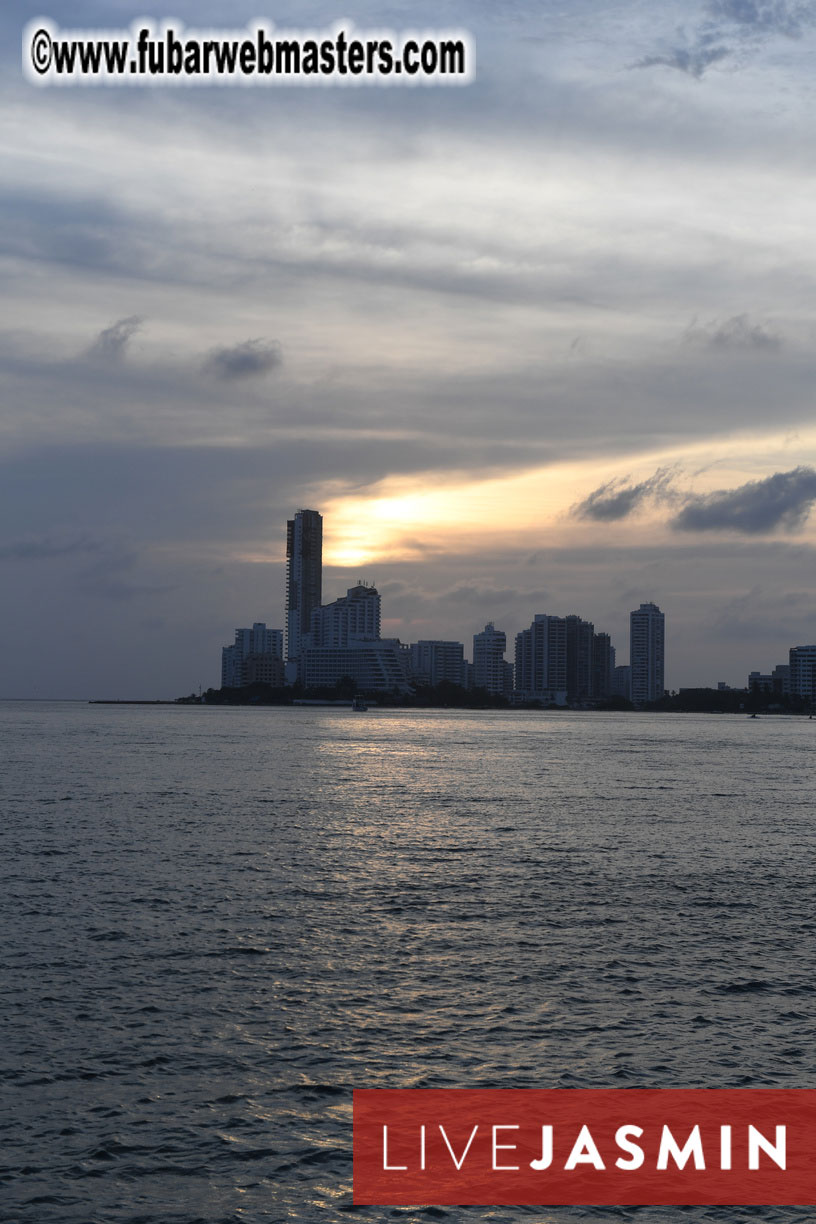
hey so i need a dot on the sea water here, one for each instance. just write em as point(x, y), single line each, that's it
point(218, 922)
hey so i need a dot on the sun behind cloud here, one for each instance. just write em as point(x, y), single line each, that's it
point(401, 519)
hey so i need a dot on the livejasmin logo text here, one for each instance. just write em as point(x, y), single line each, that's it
point(584, 1151)
point(587, 1146)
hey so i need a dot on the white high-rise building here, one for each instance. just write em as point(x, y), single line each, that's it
point(380, 665)
point(803, 671)
point(647, 634)
point(260, 640)
point(355, 617)
point(304, 575)
point(256, 654)
point(490, 670)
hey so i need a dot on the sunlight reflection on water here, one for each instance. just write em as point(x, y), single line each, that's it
point(219, 921)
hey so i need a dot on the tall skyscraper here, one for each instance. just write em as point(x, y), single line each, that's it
point(646, 653)
point(304, 575)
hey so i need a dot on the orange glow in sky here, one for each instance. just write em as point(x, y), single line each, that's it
point(401, 520)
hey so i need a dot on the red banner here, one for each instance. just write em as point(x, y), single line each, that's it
point(416, 1147)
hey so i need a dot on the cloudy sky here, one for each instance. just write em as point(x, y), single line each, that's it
point(541, 343)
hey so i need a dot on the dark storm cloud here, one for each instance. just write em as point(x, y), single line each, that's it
point(252, 359)
point(112, 341)
point(738, 332)
point(781, 500)
point(616, 500)
point(694, 60)
point(731, 25)
point(769, 17)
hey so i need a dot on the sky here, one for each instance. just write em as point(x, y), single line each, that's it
point(540, 343)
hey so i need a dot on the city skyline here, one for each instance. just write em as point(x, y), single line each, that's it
point(543, 341)
point(558, 660)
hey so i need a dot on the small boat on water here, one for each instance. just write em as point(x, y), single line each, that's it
point(359, 703)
